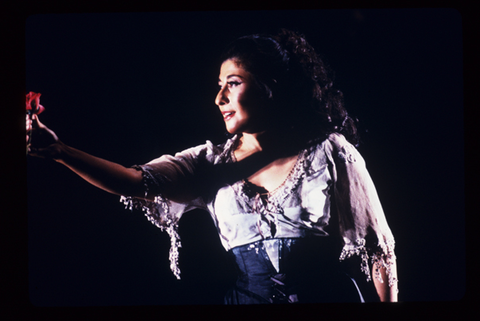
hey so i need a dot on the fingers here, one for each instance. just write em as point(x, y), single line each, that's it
point(37, 152)
point(45, 142)
point(28, 126)
point(33, 122)
point(28, 123)
point(36, 121)
point(37, 124)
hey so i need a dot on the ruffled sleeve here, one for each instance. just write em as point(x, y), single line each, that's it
point(362, 221)
point(170, 190)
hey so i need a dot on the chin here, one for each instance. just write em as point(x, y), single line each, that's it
point(233, 129)
point(234, 132)
point(230, 130)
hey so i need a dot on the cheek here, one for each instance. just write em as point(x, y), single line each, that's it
point(251, 101)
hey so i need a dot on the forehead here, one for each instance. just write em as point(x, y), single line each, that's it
point(231, 67)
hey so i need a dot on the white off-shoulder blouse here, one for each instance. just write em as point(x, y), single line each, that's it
point(329, 171)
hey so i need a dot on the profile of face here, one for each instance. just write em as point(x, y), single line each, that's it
point(239, 100)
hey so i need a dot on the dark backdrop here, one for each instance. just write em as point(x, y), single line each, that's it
point(130, 87)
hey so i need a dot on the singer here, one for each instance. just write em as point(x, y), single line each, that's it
point(288, 192)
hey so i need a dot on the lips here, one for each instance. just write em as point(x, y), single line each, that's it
point(227, 115)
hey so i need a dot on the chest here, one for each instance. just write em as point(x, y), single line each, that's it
point(298, 198)
point(274, 174)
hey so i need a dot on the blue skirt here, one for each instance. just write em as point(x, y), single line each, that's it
point(309, 272)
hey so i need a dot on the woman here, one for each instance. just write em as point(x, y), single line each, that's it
point(288, 192)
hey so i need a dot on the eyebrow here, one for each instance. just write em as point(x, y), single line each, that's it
point(230, 76)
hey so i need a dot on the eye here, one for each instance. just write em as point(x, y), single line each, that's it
point(233, 83)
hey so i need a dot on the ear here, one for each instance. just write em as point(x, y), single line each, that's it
point(270, 91)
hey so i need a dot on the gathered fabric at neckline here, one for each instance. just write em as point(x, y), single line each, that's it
point(250, 189)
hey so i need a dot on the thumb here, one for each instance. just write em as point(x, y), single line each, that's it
point(36, 123)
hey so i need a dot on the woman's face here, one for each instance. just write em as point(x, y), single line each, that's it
point(239, 100)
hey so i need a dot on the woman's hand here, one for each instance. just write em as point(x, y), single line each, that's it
point(109, 176)
point(43, 141)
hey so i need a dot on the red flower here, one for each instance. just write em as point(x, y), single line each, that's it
point(33, 103)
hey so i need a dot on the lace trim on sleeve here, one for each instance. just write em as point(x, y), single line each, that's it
point(158, 213)
point(383, 257)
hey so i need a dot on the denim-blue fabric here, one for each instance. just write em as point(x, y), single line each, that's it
point(299, 280)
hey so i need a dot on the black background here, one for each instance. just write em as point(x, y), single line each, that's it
point(129, 87)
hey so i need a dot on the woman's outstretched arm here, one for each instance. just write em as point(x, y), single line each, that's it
point(109, 176)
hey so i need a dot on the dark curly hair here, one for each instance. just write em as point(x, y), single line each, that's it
point(296, 83)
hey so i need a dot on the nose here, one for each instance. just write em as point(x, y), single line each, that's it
point(221, 98)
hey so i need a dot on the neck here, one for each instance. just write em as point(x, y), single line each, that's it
point(252, 142)
point(276, 142)
point(269, 141)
